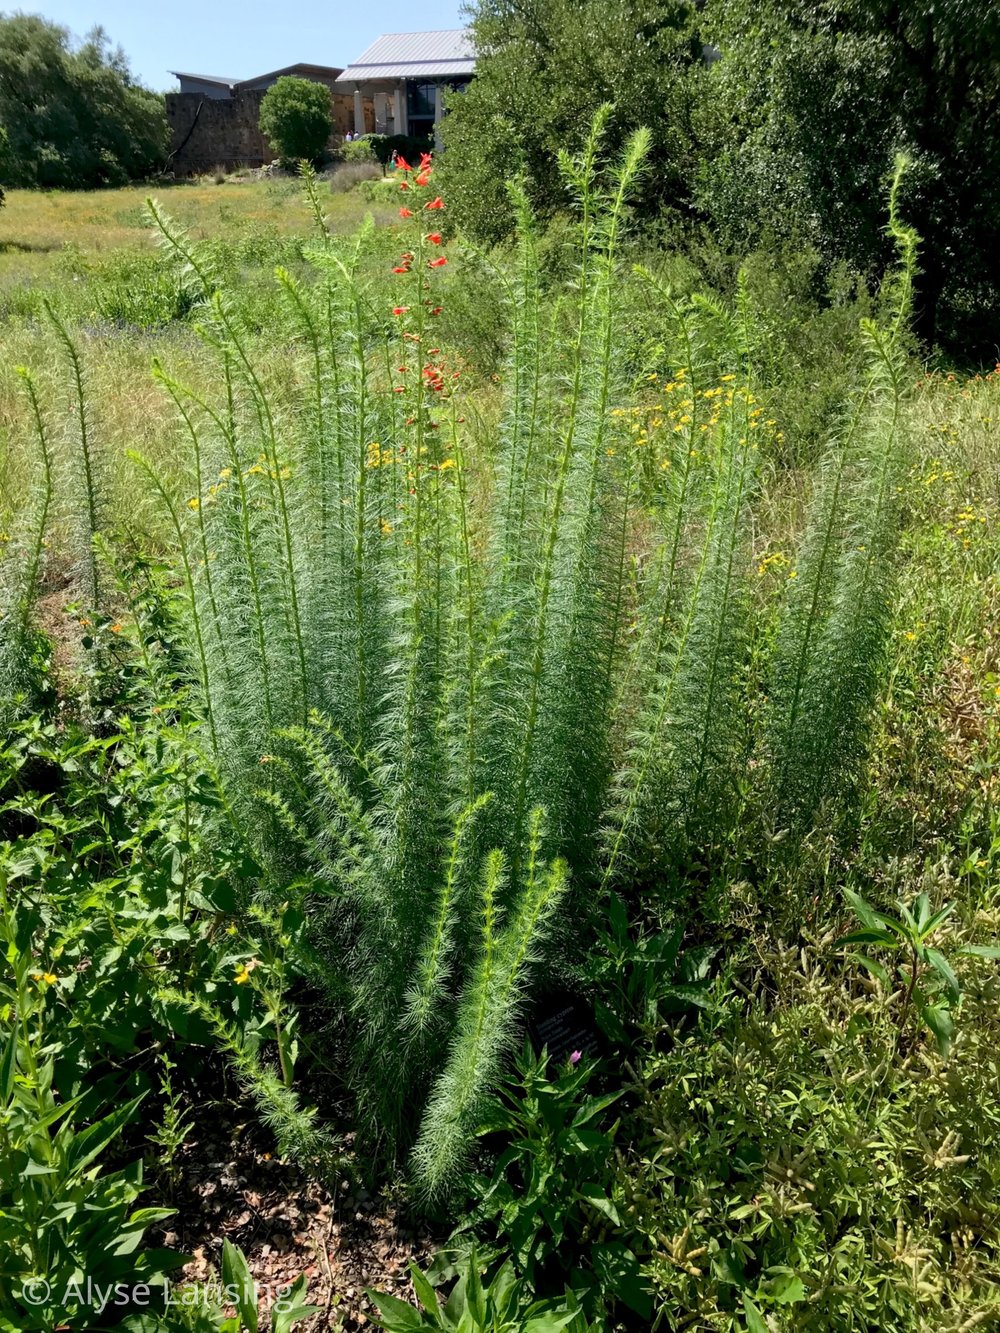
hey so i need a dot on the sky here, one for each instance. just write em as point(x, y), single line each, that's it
point(240, 38)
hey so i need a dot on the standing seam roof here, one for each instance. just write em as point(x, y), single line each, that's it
point(410, 54)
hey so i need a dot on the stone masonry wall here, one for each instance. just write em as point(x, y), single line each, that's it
point(208, 132)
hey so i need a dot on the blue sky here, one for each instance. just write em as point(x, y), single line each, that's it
point(241, 38)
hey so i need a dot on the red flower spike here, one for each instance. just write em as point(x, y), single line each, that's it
point(400, 309)
point(437, 263)
point(423, 178)
point(435, 203)
point(402, 164)
point(434, 237)
point(402, 268)
point(405, 213)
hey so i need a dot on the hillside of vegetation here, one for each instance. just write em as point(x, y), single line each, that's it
point(498, 769)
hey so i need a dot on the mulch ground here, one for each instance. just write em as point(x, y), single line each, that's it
point(342, 1238)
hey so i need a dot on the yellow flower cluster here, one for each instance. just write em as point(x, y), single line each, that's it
point(258, 469)
point(683, 410)
point(378, 456)
point(774, 560)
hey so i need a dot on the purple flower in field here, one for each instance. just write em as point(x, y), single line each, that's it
point(575, 1057)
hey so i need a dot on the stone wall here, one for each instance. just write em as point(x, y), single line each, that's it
point(208, 132)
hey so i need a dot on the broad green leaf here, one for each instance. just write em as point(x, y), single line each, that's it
point(236, 1273)
point(943, 968)
point(938, 1018)
point(981, 950)
point(396, 1315)
point(755, 1320)
point(866, 937)
point(426, 1294)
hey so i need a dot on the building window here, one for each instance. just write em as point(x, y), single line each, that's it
point(420, 101)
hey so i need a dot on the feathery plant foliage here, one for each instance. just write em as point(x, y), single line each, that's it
point(459, 697)
point(394, 685)
point(831, 655)
point(21, 571)
point(84, 485)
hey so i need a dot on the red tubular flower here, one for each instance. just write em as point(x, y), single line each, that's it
point(400, 388)
point(437, 263)
point(405, 213)
point(425, 161)
point(437, 310)
point(423, 178)
point(400, 309)
point(434, 237)
point(403, 185)
point(402, 164)
point(402, 268)
point(435, 203)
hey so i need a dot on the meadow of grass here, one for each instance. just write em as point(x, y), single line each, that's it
point(453, 638)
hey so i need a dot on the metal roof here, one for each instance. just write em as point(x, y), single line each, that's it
point(323, 71)
point(204, 78)
point(414, 55)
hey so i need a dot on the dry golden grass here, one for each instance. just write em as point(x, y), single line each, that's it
point(36, 226)
point(52, 241)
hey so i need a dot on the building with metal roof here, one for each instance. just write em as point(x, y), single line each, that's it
point(406, 74)
point(215, 85)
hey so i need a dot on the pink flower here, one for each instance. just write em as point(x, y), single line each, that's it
point(575, 1057)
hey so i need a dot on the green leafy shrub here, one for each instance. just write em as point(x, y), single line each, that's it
point(476, 1305)
point(786, 1166)
point(551, 1199)
point(361, 150)
point(296, 116)
point(61, 1215)
point(74, 117)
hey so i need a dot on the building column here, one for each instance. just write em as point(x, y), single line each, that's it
point(359, 111)
point(381, 113)
point(402, 122)
point(438, 114)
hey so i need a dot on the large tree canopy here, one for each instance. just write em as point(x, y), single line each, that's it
point(806, 109)
point(544, 67)
point(73, 116)
point(787, 138)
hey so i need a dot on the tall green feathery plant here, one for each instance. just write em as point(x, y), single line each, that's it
point(458, 696)
point(677, 705)
point(395, 682)
point(831, 649)
point(21, 571)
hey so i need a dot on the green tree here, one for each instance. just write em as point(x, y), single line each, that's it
point(73, 115)
point(799, 120)
point(296, 115)
point(543, 69)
